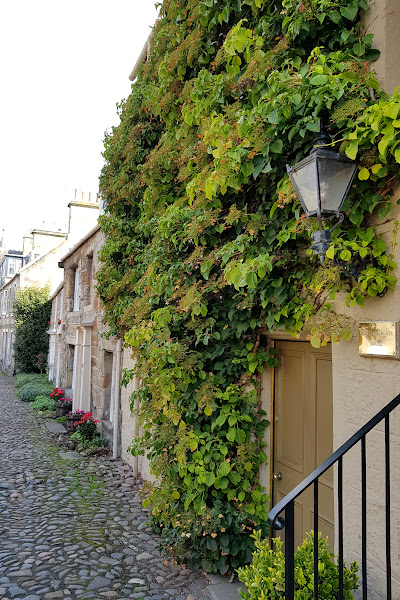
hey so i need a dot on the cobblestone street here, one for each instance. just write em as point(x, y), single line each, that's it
point(74, 528)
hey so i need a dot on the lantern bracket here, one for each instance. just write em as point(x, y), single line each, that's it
point(322, 237)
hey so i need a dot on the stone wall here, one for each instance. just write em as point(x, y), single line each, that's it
point(364, 385)
point(129, 423)
point(361, 387)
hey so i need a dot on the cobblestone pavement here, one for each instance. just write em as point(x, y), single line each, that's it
point(74, 528)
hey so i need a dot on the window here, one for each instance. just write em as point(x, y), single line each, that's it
point(60, 309)
point(12, 266)
point(76, 290)
point(88, 279)
point(54, 313)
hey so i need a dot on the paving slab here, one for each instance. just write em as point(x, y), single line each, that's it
point(71, 455)
point(54, 427)
point(221, 588)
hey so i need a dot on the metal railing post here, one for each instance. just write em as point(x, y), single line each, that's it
point(289, 551)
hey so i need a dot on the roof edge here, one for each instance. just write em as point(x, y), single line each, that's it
point(78, 244)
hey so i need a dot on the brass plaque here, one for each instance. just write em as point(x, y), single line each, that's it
point(379, 338)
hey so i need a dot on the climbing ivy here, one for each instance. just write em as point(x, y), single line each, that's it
point(206, 243)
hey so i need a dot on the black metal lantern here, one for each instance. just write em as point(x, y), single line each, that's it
point(321, 181)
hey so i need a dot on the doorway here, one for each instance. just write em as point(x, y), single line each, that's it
point(303, 431)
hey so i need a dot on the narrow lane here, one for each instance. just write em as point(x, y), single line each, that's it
point(74, 528)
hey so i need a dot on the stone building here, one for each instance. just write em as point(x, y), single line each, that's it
point(315, 400)
point(37, 264)
point(85, 363)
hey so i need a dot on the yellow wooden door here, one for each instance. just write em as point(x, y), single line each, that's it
point(303, 431)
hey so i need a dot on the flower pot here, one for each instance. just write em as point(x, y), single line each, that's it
point(70, 422)
point(63, 408)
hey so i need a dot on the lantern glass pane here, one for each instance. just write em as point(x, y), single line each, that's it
point(334, 179)
point(305, 183)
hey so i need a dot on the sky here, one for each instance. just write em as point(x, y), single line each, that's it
point(64, 68)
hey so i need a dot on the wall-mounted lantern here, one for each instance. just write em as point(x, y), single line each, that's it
point(321, 181)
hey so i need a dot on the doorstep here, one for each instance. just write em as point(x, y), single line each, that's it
point(221, 589)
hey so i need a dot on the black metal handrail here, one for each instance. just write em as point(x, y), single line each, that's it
point(287, 505)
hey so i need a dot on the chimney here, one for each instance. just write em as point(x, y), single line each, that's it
point(27, 244)
point(83, 214)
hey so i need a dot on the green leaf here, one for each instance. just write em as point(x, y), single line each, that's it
point(352, 150)
point(346, 335)
point(224, 483)
point(240, 436)
point(372, 54)
point(359, 48)
point(392, 110)
point(273, 117)
point(349, 12)
point(345, 255)
point(209, 478)
point(259, 163)
point(315, 341)
point(383, 144)
point(330, 253)
point(363, 174)
point(247, 168)
point(231, 434)
point(203, 310)
point(276, 146)
point(251, 280)
point(223, 469)
point(318, 80)
point(379, 246)
point(231, 494)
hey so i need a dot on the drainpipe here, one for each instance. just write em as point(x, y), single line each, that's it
point(135, 466)
point(143, 56)
point(116, 399)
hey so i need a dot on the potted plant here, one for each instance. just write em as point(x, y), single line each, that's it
point(63, 405)
point(72, 417)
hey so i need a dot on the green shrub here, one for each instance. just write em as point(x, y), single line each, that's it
point(62, 419)
point(22, 378)
point(44, 403)
point(30, 391)
point(265, 576)
point(96, 441)
point(32, 310)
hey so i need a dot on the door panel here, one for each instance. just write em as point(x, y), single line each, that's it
point(289, 447)
point(303, 430)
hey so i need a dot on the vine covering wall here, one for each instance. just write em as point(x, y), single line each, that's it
point(206, 244)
